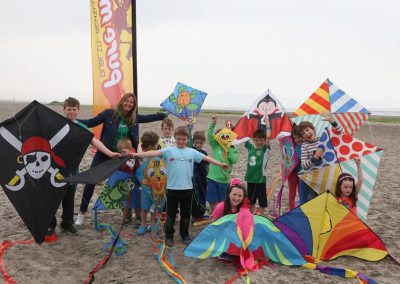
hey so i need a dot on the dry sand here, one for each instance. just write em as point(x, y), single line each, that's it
point(71, 258)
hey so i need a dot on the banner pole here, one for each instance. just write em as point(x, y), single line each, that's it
point(134, 49)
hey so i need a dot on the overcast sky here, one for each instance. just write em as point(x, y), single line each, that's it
point(233, 50)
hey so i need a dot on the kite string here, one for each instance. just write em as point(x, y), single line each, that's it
point(3, 247)
point(104, 261)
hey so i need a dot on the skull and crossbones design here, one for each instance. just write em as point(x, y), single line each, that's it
point(37, 154)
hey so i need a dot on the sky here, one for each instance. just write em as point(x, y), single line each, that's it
point(233, 50)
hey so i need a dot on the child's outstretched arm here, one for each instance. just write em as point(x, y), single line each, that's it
point(328, 117)
point(360, 175)
point(102, 148)
point(211, 129)
point(148, 154)
point(215, 162)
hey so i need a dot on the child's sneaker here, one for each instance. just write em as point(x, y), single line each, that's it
point(141, 231)
point(169, 242)
point(50, 236)
point(80, 220)
point(70, 229)
point(186, 240)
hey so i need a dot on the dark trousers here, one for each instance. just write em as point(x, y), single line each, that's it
point(89, 188)
point(182, 200)
point(68, 208)
point(199, 198)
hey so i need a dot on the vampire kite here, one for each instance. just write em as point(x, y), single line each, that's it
point(39, 148)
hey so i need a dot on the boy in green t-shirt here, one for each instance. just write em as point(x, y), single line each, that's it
point(255, 177)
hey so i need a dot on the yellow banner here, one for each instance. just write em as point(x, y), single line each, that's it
point(113, 51)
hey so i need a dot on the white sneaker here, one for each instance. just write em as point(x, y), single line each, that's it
point(80, 220)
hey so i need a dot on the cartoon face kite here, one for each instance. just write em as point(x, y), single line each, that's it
point(267, 114)
point(225, 138)
point(39, 147)
point(155, 177)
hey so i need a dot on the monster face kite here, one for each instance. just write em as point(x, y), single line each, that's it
point(225, 138)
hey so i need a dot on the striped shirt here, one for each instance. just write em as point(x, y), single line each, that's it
point(308, 149)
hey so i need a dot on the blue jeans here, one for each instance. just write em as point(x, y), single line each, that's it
point(306, 193)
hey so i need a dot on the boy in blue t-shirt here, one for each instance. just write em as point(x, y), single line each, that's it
point(179, 161)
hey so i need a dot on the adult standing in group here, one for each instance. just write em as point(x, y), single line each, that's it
point(123, 121)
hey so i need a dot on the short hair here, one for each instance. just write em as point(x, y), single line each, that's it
point(181, 130)
point(71, 102)
point(303, 125)
point(199, 135)
point(149, 138)
point(124, 143)
point(168, 122)
point(259, 133)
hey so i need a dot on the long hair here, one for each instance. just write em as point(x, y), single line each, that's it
point(227, 202)
point(129, 117)
point(338, 191)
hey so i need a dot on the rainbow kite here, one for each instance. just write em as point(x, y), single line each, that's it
point(324, 229)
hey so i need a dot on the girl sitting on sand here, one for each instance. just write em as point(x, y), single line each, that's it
point(235, 195)
point(347, 189)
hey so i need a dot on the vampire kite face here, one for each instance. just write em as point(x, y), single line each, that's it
point(37, 163)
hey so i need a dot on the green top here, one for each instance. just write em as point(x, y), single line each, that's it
point(82, 125)
point(121, 133)
point(254, 172)
point(217, 173)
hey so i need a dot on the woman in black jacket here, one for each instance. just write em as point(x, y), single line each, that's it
point(123, 121)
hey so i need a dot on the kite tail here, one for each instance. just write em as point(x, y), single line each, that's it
point(273, 185)
point(6, 244)
point(278, 204)
point(165, 261)
point(342, 272)
point(121, 245)
point(241, 272)
point(104, 261)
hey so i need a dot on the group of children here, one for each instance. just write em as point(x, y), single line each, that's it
point(189, 178)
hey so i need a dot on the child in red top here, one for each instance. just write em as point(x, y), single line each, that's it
point(234, 198)
point(347, 189)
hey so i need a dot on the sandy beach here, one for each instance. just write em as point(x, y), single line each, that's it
point(71, 258)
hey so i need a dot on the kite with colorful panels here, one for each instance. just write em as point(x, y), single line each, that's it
point(321, 229)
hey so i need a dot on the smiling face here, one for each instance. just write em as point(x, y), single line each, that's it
point(236, 196)
point(71, 112)
point(346, 188)
point(181, 140)
point(128, 104)
point(308, 134)
point(225, 138)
